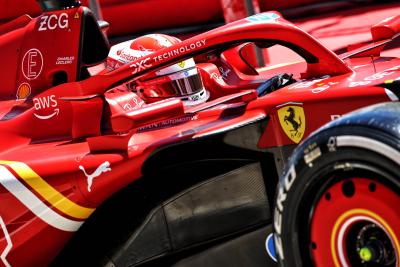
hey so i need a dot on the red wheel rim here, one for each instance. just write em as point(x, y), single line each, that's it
point(342, 216)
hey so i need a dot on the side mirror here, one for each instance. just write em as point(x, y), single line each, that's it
point(386, 29)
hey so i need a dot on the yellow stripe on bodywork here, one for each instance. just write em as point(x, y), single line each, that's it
point(48, 192)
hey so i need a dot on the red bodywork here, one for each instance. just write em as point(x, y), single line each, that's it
point(164, 13)
point(67, 148)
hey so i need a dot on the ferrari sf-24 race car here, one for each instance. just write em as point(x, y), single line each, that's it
point(85, 180)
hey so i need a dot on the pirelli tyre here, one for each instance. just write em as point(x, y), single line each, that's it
point(338, 201)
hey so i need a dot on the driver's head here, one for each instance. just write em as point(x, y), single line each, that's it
point(179, 80)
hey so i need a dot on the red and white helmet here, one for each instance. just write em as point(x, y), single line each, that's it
point(179, 80)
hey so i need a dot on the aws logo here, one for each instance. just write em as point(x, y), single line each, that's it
point(46, 103)
point(293, 122)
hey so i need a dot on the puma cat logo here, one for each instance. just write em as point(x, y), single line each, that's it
point(104, 167)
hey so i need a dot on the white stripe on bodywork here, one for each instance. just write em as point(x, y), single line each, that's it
point(391, 95)
point(9, 244)
point(370, 144)
point(34, 204)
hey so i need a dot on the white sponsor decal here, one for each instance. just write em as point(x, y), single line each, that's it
point(374, 77)
point(138, 104)
point(378, 75)
point(224, 73)
point(216, 77)
point(32, 64)
point(167, 123)
point(9, 244)
point(131, 55)
point(46, 102)
point(142, 65)
point(53, 21)
point(361, 83)
point(65, 60)
point(180, 50)
point(123, 53)
point(104, 167)
point(46, 117)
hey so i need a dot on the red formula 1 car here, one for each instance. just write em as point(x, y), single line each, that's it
point(87, 181)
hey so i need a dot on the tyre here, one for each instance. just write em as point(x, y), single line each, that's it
point(337, 203)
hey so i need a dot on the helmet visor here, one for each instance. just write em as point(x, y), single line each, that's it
point(178, 84)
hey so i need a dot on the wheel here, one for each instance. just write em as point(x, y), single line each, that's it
point(337, 203)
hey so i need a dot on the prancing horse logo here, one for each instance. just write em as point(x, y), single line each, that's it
point(291, 119)
point(293, 122)
point(104, 167)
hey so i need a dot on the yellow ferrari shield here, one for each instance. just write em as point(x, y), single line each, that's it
point(293, 122)
point(181, 64)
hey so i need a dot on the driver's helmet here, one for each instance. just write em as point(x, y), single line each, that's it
point(179, 80)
